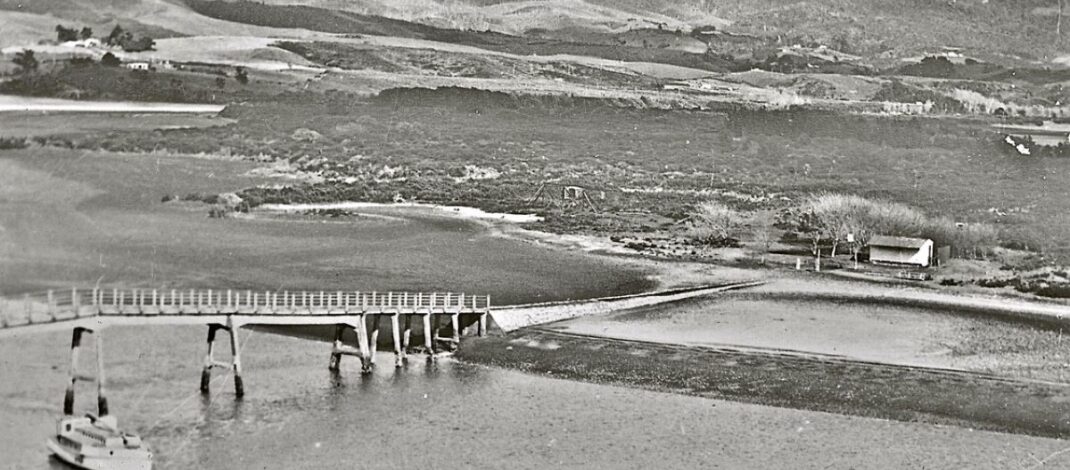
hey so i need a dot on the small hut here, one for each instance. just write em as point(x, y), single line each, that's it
point(900, 251)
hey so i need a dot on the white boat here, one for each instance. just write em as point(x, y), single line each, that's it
point(94, 443)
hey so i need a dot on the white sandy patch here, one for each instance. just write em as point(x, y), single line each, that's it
point(10, 103)
point(457, 211)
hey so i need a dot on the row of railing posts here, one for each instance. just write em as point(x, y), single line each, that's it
point(290, 300)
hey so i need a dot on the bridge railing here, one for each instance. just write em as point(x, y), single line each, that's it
point(57, 305)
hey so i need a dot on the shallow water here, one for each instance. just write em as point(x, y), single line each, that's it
point(71, 217)
point(447, 415)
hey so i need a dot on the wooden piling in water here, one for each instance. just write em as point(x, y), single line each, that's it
point(374, 339)
point(336, 352)
point(362, 343)
point(455, 325)
point(68, 397)
point(429, 342)
point(235, 350)
point(75, 376)
point(209, 361)
point(102, 399)
point(406, 335)
point(398, 356)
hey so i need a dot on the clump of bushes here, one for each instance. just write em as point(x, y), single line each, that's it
point(831, 217)
point(13, 143)
point(714, 223)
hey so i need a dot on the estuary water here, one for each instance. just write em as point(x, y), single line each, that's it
point(69, 217)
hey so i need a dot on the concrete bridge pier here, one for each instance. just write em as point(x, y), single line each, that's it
point(75, 376)
point(235, 351)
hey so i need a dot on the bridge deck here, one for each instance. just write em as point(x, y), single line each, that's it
point(210, 306)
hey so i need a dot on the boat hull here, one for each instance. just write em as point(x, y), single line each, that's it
point(76, 460)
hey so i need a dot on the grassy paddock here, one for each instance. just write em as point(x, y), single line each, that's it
point(653, 162)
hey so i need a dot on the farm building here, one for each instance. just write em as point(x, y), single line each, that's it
point(137, 65)
point(900, 251)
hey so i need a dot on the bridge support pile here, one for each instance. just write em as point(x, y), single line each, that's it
point(368, 337)
point(75, 375)
point(235, 353)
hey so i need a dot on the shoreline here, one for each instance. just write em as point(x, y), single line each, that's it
point(461, 212)
point(681, 274)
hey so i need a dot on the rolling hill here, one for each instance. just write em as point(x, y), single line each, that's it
point(28, 21)
point(1005, 30)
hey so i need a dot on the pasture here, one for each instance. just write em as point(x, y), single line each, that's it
point(659, 162)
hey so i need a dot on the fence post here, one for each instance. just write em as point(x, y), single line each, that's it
point(76, 302)
point(51, 305)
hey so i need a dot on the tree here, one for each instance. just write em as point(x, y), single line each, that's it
point(143, 43)
point(26, 61)
point(109, 60)
point(86, 33)
point(241, 76)
point(220, 82)
point(116, 36)
point(715, 223)
point(66, 34)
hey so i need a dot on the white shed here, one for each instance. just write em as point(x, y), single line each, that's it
point(900, 251)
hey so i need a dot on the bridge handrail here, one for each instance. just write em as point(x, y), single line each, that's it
point(56, 305)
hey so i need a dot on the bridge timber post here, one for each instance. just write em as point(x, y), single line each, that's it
point(361, 328)
point(75, 376)
point(374, 340)
point(399, 356)
point(405, 337)
point(429, 337)
point(364, 351)
point(336, 352)
point(235, 351)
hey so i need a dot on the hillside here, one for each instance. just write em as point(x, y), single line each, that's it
point(516, 17)
point(1009, 32)
point(1014, 31)
point(156, 18)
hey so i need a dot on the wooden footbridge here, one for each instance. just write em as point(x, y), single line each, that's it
point(91, 310)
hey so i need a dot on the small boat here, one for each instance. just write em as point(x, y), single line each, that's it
point(95, 443)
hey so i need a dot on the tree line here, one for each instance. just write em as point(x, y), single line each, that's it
point(118, 37)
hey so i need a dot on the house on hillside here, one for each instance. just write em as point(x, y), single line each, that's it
point(901, 251)
point(137, 65)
